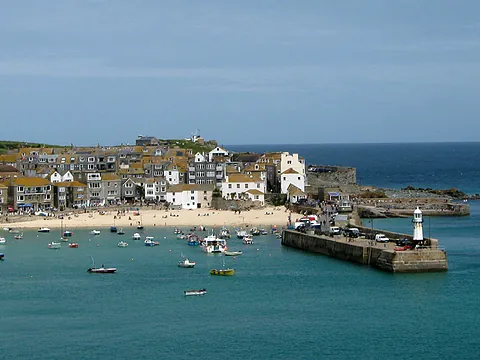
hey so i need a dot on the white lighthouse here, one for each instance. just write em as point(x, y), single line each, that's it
point(417, 225)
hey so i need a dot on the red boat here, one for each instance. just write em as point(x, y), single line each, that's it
point(73, 245)
point(102, 270)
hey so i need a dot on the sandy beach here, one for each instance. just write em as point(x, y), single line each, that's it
point(266, 217)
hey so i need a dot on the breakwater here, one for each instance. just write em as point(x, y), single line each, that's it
point(367, 252)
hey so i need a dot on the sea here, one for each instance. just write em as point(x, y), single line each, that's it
point(281, 303)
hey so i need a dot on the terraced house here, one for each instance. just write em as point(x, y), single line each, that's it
point(29, 193)
point(69, 194)
point(3, 198)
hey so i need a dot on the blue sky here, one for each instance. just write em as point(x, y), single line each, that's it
point(243, 72)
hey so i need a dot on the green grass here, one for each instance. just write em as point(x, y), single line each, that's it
point(9, 145)
point(186, 144)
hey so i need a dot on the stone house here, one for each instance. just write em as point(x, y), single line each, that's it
point(29, 193)
point(69, 194)
point(112, 188)
point(190, 196)
point(3, 198)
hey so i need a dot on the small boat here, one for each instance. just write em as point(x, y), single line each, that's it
point(224, 234)
point(2, 255)
point(54, 245)
point(101, 270)
point(232, 253)
point(222, 272)
point(67, 233)
point(113, 229)
point(263, 232)
point(18, 236)
point(95, 232)
point(195, 292)
point(13, 231)
point(193, 242)
point(43, 230)
point(241, 234)
point(122, 244)
point(136, 236)
point(150, 242)
point(64, 239)
point(7, 229)
point(73, 245)
point(3, 241)
point(254, 231)
point(139, 227)
point(120, 232)
point(247, 240)
point(186, 263)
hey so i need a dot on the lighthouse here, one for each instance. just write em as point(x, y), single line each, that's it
point(417, 226)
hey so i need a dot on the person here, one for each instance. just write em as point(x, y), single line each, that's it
point(103, 266)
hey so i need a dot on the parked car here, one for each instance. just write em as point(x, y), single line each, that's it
point(352, 232)
point(334, 230)
point(381, 238)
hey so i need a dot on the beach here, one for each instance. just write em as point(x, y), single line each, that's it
point(149, 217)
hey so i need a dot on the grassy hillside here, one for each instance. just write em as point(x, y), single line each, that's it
point(195, 147)
point(8, 145)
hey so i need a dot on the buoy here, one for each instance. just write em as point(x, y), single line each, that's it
point(132, 259)
point(170, 250)
point(258, 249)
point(99, 245)
point(164, 237)
point(234, 258)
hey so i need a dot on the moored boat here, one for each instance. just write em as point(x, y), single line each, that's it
point(212, 244)
point(54, 245)
point(95, 232)
point(254, 231)
point(73, 245)
point(18, 236)
point(122, 244)
point(44, 230)
point(232, 253)
point(136, 236)
point(195, 292)
point(241, 233)
point(113, 229)
point(150, 242)
point(120, 232)
point(186, 263)
point(2, 255)
point(222, 272)
point(3, 241)
point(247, 240)
point(101, 270)
point(67, 233)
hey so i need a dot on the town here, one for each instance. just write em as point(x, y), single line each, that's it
point(152, 171)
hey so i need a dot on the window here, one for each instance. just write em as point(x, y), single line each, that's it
point(47, 197)
point(238, 186)
point(91, 159)
point(285, 178)
point(229, 186)
point(49, 188)
point(173, 195)
point(169, 173)
point(163, 189)
point(258, 185)
point(173, 199)
point(289, 162)
point(192, 197)
point(60, 189)
point(246, 186)
point(256, 197)
point(95, 194)
point(20, 198)
point(192, 192)
point(91, 166)
point(299, 178)
point(0, 192)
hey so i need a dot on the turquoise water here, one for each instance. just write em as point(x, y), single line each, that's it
point(281, 303)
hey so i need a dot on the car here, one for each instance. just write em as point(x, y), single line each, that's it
point(334, 230)
point(352, 232)
point(381, 238)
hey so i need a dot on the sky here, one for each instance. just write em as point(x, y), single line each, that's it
point(241, 72)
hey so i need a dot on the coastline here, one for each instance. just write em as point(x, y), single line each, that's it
point(268, 216)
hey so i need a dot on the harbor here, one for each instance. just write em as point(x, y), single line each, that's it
point(385, 250)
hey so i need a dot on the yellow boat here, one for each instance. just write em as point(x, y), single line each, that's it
point(222, 272)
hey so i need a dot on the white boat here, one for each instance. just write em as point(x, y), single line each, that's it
point(212, 244)
point(241, 233)
point(195, 292)
point(247, 240)
point(18, 236)
point(149, 238)
point(54, 245)
point(149, 242)
point(95, 232)
point(43, 230)
point(3, 241)
point(232, 253)
point(186, 263)
point(136, 236)
point(122, 244)
point(100, 270)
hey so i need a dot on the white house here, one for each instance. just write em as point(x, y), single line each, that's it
point(155, 189)
point(172, 175)
point(67, 176)
point(293, 161)
point(294, 194)
point(218, 151)
point(291, 177)
point(238, 186)
point(55, 177)
point(190, 196)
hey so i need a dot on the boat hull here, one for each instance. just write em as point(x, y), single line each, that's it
point(222, 272)
point(102, 270)
point(73, 245)
point(232, 253)
point(195, 292)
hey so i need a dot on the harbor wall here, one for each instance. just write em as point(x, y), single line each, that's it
point(385, 259)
